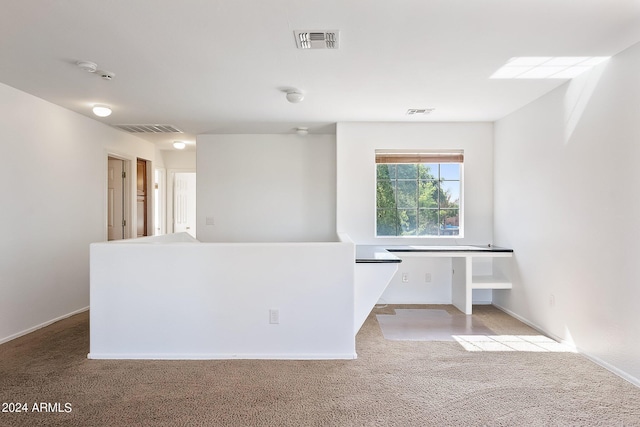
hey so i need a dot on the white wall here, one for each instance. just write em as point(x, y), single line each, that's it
point(53, 188)
point(356, 184)
point(567, 201)
point(178, 159)
point(416, 290)
point(356, 170)
point(266, 188)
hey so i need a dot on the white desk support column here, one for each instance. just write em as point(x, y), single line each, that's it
point(461, 293)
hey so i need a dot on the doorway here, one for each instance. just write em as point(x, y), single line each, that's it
point(184, 202)
point(143, 176)
point(116, 198)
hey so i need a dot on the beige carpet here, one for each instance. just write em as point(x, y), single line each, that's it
point(392, 383)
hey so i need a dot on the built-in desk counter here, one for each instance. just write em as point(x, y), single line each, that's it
point(451, 248)
point(375, 254)
point(463, 281)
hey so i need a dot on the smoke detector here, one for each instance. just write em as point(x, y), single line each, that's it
point(419, 111)
point(88, 66)
point(92, 67)
point(327, 39)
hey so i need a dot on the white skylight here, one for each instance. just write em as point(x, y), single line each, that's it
point(547, 67)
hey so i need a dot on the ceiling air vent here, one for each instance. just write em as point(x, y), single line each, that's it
point(148, 128)
point(317, 39)
point(419, 111)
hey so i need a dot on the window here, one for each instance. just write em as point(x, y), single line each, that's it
point(418, 194)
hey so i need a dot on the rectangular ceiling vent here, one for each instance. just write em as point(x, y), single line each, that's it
point(419, 111)
point(317, 39)
point(148, 128)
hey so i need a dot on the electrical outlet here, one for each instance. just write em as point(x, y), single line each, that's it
point(210, 221)
point(552, 300)
point(427, 277)
point(405, 277)
point(274, 316)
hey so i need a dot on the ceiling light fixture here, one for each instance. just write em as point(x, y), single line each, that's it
point(101, 110)
point(294, 96)
point(179, 145)
point(302, 131)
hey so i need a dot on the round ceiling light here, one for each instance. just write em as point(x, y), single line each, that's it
point(294, 96)
point(302, 131)
point(179, 145)
point(101, 110)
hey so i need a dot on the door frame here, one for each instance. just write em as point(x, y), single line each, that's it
point(160, 202)
point(171, 175)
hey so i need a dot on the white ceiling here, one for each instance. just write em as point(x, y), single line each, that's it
point(219, 66)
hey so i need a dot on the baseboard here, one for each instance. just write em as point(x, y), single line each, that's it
point(382, 301)
point(534, 326)
point(218, 356)
point(622, 374)
point(42, 325)
point(625, 376)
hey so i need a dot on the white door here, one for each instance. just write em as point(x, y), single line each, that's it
point(184, 202)
point(115, 199)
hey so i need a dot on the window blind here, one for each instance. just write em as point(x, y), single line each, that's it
point(387, 156)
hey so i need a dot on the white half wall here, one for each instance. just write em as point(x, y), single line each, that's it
point(53, 187)
point(266, 188)
point(567, 202)
point(213, 300)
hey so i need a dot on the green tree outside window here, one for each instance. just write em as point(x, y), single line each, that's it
point(420, 199)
